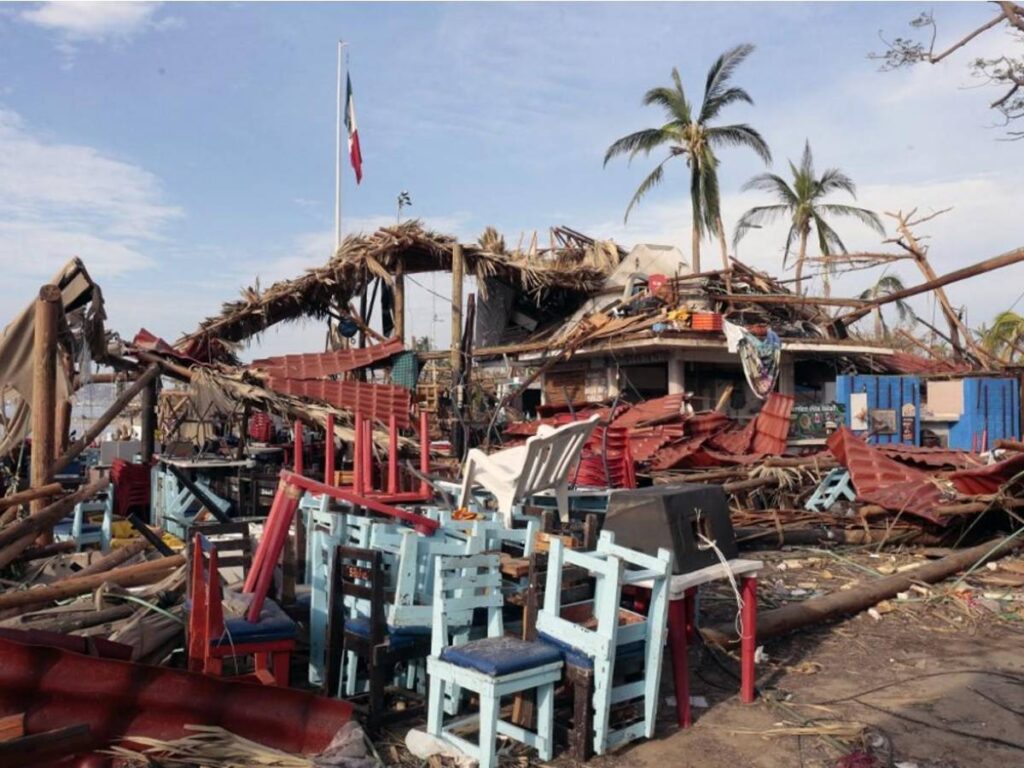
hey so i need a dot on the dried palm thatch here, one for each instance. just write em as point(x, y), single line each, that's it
point(571, 262)
point(209, 747)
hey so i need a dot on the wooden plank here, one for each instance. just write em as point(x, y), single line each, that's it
point(12, 726)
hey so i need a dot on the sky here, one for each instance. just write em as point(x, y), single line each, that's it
point(185, 151)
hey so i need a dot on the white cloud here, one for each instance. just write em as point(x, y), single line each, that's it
point(95, 21)
point(61, 200)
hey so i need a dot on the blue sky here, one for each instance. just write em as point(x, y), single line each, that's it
point(182, 150)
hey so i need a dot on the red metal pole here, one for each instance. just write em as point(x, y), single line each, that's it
point(291, 494)
point(748, 641)
point(298, 447)
point(356, 458)
point(392, 454)
point(329, 451)
point(680, 663)
point(424, 453)
point(257, 560)
point(368, 457)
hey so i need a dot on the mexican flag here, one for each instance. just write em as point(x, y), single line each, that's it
point(354, 153)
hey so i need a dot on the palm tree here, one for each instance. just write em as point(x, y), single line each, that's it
point(692, 137)
point(802, 203)
point(1003, 339)
point(885, 285)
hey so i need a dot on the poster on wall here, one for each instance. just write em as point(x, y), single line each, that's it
point(815, 421)
point(883, 421)
point(859, 411)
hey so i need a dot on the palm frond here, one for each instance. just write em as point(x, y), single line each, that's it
point(671, 99)
point(834, 180)
point(718, 78)
point(653, 179)
point(756, 217)
point(829, 241)
point(806, 161)
point(791, 237)
point(866, 217)
point(740, 135)
point(776, 185)
point(640, 141)
point(709, 191)
point(697, 202)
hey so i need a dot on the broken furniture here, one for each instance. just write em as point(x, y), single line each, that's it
point(599, 633)
point(836, 486)
point(178, 498)
point(212, 637)
point(80, 527)
point(359, 628)
point(513, 475)
point(492, 667)
point(695, 518)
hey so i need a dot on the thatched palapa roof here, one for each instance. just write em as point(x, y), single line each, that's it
point(572, 262)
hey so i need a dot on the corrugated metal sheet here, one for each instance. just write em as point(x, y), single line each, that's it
point(882, 481)
point(323, 364)
point(652, 411)
point(771, 427)
point(930, 458)
point(376, 401)
point(736, 440)
point(672, 456)
point(707, 423)
point(988, 479)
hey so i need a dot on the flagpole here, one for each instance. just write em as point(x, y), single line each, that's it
point(337, 155)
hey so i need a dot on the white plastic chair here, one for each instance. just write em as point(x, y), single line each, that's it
point(515, 474)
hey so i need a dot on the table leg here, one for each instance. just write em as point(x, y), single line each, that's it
point(691, 613)
point(748, 642)
point(680, 663)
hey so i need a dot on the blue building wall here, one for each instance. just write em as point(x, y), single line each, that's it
point(991, 410)
point(884, 392)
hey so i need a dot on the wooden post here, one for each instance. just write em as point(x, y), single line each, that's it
point(97, 427)
point(457, 276)
point(399, 303)
point(44, 393)
point(297, 448)
point(148, 419)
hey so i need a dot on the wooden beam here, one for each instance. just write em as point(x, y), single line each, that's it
point(458, 267)
point(44, 391)
point(988, 265)
point(148, 419)
point(399, 302)
point(97, 427)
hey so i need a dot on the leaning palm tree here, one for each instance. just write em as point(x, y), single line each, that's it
point(802, 202)
point(691, 136)
point(886, 285)
point(1004, 339)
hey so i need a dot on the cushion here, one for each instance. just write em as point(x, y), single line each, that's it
point(273, 624)
point(398, 637)
point(497, 656)
point(577, 658)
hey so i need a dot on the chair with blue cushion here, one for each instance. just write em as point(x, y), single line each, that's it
point(359, 630)
point(212, 636)
point(601, 635)
point(80, 527)
point(493, 667)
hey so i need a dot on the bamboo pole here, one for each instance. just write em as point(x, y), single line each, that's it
point(148, 419)
point(44, 392)
point(97, 427)
point(115, 558)
point(29, 494)
point(821, 609)
point(129, 576)
point(458, 268)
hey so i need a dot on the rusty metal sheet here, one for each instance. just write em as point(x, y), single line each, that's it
point(880, 480)
point(652, 411)
point(771, 427)
point(672, 456)
point(323, 364)
point(375, 401)
point(56, 688)
point(988, 479)
point(707, 423)
point(735, 441)
point(931, 458)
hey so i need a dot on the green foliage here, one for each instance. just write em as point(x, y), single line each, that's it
point(1003, 338)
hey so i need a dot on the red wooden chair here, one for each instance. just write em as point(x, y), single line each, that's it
point(211, 638)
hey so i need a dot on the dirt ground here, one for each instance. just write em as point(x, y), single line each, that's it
point(935, 681)
point(931, 679)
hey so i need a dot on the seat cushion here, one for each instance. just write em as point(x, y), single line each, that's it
point(497, 656)
point(577, 658)
point(273, 624)
point(398, 637)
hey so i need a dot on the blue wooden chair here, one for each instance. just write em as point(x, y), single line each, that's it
point(599, 633)
point(492, 667)
point(80, 527)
